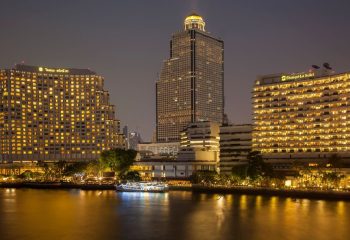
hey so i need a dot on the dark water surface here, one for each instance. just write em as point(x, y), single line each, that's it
point(30, 214)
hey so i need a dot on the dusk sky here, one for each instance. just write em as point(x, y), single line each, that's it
point(127, 41)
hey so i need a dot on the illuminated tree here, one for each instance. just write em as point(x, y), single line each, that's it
point(132, 176)
point(117, 160)
point(75, 168)
point(205, 177)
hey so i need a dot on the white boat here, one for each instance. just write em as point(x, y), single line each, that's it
point(142, 187)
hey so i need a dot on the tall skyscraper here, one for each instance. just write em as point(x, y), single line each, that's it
point(52, 114)
point(191, 83)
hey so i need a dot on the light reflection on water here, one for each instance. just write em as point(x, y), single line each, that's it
point(73, 214)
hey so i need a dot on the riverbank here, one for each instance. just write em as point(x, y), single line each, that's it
point(58, 185)
point(50, 185)
point(293, 193)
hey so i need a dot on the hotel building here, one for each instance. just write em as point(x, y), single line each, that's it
point(52, 114)
point(302, 117)
point(190, 87)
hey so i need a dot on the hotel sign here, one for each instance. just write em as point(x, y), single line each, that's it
point(296, 76)
point(53, 70)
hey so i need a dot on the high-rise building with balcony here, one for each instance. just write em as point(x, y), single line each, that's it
point(303, 117)
point(53, 114)
point(190, 87)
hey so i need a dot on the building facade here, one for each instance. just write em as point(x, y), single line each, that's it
point(198, 150)
point(126, 136)
point(302, 117)
point(190, 87)
point(199, 141)
point(169, 169)
point(53, 114)
point(170, 149)
point(134, 139)
point(235, 144)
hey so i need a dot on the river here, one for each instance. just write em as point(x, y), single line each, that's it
point(31, 214)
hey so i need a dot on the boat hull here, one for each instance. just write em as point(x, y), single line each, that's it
point(135, 190)
point(142, 187)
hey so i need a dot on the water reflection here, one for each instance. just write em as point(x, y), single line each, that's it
point(44, 214)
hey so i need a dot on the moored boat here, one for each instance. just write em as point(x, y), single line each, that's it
point(142, 187)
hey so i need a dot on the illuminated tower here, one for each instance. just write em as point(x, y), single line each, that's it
point(53, 114)
point(191, 83)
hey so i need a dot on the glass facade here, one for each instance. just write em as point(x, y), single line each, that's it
point(52, 114)
point(191, 83)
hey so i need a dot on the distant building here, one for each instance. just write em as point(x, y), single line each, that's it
point(154, 136)
point(191, 83)
point(235, 144)
point(169, 149)
point(197, 151)
point(53, 114)
point(170, 169)
point(134, 139)
point(122, 141)
point(200, 142)
point(126, 136)
point(302, 117)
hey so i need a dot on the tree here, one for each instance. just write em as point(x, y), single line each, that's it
point(332, 179)
point(205, 177)
point(59, 167)
point(26, 175)
point(107, 159)
point(118, 160)
point(240, 171)
point(93, 168)
point(49, 171)
point(132, 176)
point(335, 161)
point(255, 162)
point(75, 168)
point(257, 167)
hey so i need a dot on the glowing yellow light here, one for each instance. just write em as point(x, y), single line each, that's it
point(193, 18)
point(296, 76)
point(194, 21)
point(53, 70)
point(288, 183)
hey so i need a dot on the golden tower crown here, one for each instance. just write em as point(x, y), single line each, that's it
point(194, 21)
